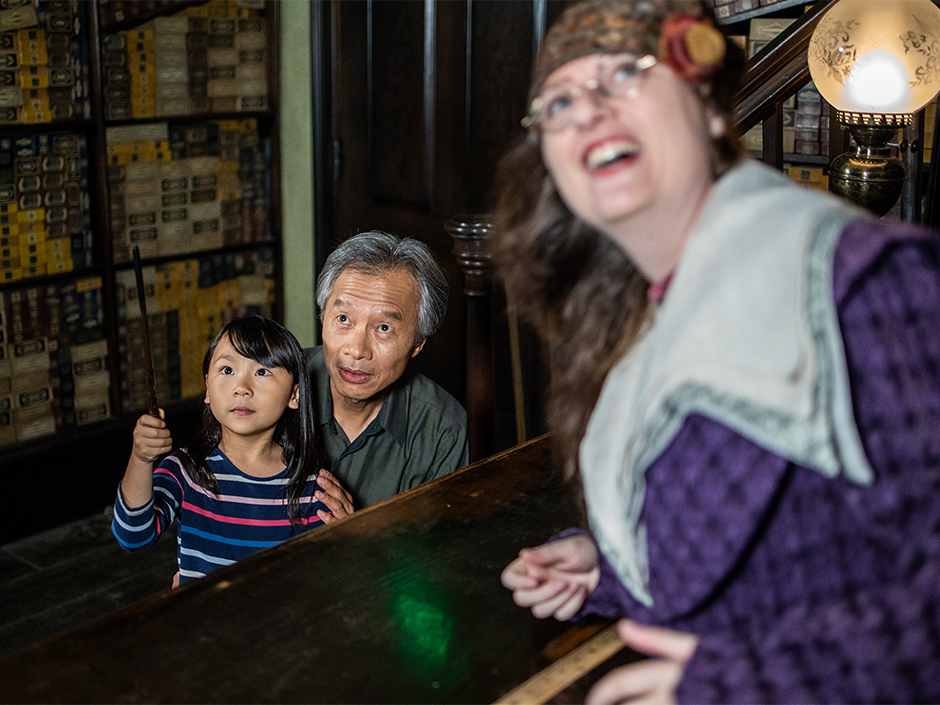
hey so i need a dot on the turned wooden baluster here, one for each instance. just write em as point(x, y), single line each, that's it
point(471, 247)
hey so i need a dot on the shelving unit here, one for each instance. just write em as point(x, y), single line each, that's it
point(170, 141)
point(53, 370)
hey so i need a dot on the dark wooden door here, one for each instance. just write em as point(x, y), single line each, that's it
point(417, 100)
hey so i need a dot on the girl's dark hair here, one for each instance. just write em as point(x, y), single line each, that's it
point(269, 344)
point(572, 283)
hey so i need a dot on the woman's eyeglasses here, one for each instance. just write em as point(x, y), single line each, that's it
point(619, 76)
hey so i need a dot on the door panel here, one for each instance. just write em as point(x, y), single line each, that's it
point(397, 114)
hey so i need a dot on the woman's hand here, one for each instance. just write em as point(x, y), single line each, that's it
point(334, 496)
point(151, 438)
point(653, 680)
point(554, 579)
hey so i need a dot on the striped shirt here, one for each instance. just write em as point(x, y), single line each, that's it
point(248, 514)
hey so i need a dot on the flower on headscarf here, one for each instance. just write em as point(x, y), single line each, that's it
point(692, 46)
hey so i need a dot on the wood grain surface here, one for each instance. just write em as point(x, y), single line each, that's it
point(398, 603)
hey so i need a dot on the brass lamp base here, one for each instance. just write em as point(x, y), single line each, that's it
point(869, 174)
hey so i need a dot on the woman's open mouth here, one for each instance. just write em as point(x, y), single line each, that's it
point(610, 153)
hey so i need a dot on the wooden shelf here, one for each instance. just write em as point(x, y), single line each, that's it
point(144, 11)
point(761, 11)
point(196, 117)
point(195, 254)
point(793, 158)
point(93, 271)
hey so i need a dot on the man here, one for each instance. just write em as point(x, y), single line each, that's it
point(384, 429)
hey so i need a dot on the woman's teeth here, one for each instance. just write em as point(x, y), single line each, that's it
point(611, 152)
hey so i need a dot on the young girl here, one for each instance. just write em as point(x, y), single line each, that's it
point(248, 479)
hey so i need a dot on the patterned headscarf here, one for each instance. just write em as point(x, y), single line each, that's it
point(674, 31)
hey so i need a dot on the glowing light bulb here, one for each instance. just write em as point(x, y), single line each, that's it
point(877, 57)
point(878, 83)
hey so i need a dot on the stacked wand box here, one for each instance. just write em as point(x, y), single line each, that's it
point(188, 301)
point(44, 70)
point(805, 115)
point(45, 223)
point(811, 122)
point(53, 359)
point(761, 32)
point(178, 188)
point(727, 10)
point(208, 58)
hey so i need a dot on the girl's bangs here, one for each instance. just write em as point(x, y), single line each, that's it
point(257, 346)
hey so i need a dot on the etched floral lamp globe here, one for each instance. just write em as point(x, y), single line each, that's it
point(877, 62)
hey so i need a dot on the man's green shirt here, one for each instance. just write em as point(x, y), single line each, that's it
point(419, 434)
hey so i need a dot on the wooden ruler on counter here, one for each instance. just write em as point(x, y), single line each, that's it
point(569, 668)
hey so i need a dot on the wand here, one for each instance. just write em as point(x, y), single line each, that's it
point(145, 329)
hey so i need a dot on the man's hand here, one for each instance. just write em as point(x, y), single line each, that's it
point(653, 680)
point(332, 494)
point(554, 579)
point(151, 438)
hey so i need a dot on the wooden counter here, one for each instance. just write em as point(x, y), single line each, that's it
point(398, 603)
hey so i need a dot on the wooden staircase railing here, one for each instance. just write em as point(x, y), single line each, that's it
point(779, 70)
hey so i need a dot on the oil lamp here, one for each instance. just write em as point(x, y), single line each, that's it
point(877, 62)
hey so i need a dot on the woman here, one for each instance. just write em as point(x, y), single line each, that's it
point(746, 376)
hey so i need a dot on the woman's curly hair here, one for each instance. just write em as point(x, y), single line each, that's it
point(577, 288)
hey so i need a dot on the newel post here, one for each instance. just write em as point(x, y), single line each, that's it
point(471, 247)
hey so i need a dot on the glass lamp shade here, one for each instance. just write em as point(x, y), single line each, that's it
point(877, 60)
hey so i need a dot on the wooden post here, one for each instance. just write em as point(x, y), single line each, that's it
point(471, 247)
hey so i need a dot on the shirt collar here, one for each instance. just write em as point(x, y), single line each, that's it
point(393, 416)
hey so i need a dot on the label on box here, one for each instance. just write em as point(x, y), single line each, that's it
point(90, 382)
point(35, 428)
point(253, 40)
point(10, 97)
point(177, 199)
point(89, 413)
point(174, 215)
point(142, 235)
point(30, 356)
point(17, 18)
point(34, 397)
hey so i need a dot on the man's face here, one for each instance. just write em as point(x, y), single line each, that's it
point(369, 328)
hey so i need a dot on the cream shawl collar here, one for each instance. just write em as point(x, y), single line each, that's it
point(747, 334)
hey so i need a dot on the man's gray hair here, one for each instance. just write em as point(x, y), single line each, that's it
point(376, 253)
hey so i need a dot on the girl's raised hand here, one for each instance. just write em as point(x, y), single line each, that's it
point(554, 579)
point(151, 438)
